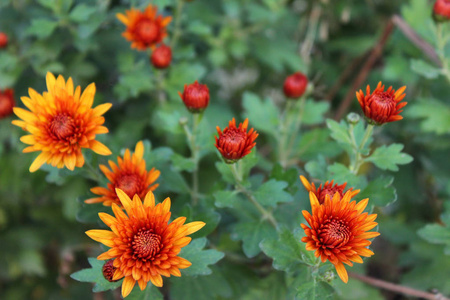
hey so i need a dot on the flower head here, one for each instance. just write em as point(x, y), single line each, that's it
point(130, 175)
point(441, 10)
point(144, 29)
point(3, 40)
point(327, 189)
point(295, 85)
point(144, 245)
point(337, 231)
point(161, 57)
point(382, 106)
point(6, 102)
point(195, 96)
point(235, 142)
point(61, 122)
point(108, 270)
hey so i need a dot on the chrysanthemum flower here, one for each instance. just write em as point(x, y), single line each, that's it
point(195, 97)
point(295, 85)
point(338, 231)
point(161, 57)
point(144, 245)
point(6, 102)
point(144, 29)
point(61, 123)
point(130, 175)
point(327, 189)
point(108, 270)
point(382, 106)
point(441, 10)
point(235, 142)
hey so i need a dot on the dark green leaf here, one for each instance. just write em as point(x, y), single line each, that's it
point(380, 191)
point(315, 291)
point(42, 28)
point(226, 198)
point(182, 163)
point(199, 258)
point(387, 158)
point(251, 234)
point(425, 69)
point(272, 192)
point(314, 111)
point(82, 12)
point(262, 115)
point(151, 292)
point(341, 174)
point(95, 275)
point(339, 131)
point(435, 115)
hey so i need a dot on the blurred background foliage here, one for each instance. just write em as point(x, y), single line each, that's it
point(243, 50)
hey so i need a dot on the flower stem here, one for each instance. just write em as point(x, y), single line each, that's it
point(297, 124)
point(191, 137)
point(284, 132)
point(241, 188)
point(177, 29)
point(357, 162)
point(94, 174)
point(441, 42)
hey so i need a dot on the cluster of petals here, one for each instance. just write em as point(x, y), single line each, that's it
point(441, 10)
point(326, 190)
point(338, 231)
point(129, 174)
point(235, 142)
point(382, 106)
point(61, 122)
point(143, 244)
point(6, 102)
point(195, 97)
point(295, 85)
point(145, 29)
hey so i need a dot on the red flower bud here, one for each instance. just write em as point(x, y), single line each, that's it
point(235, 142)
point(382, 106)
point(161, 57)
point(295, 85)
point(195, 96)
point(441, 10)
point(108, 270)
point(6, 102)
point(3, 40)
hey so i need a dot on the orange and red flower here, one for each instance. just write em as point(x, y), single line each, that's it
point(195, 96)
point(144, 29)
point(295, 85)
point(327, 190)
point(161, 57)
point(382, 106)
point(441, 10)
point(61, 122)
point(235, 142)
point(337, 231)
point(144, 245)
point(6, 102)
point(130, 175)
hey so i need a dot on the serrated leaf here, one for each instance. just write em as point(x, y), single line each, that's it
point(41, 28)
point(226, 198)
point(388, 157)
point(339, 131)
point(437, 234)
point(95, 275)
point(317, 168)
point(272, 192)
point(435, 115)
point(224, 170)
point(263, 115)
point(425, 69)
point(199, 258)
point(380, 191)
point(251, 234)
point(182, 163)
point(82, 12)
point(341, 174)
point(285, 251)
point(316, 142)
point(315, 291)
point(151, 292)
point(314, 111)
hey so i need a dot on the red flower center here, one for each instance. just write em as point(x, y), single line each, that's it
point(108, 270)
point(146, 244)
point(62, 126)
point(129, 183)
point(334, 233)
point(147, 31)
point(329, 191)
point(232, 141)
point(383, 104)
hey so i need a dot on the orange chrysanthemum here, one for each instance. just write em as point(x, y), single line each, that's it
point(61, 122)
point(235, 142)
point(144, 29)
point(144, 245)
point(327, 189)
point(6, 102)
point(130, 175)
point(382, 106)
point(338, 231)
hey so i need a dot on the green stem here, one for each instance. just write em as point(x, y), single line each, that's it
point(265, 213)
point(95, 175)
point(177, 29)
point(297, 124)
point(441, 42)
point(284, 132)
point(191, 137)
point(357, 162)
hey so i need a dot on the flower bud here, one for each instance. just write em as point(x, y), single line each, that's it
point(108, 270)
point(3, 40)
point(195, 96)
point(6, 102)
point(295, 85)
point(353, 118)
point(441, 11)
point(161, 57)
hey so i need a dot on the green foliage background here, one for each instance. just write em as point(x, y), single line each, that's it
point(243, 50)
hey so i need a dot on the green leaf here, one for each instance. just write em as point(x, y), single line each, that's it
point(317, 168)
point(380, 191)
point(286, 251)
point(315, 291)
point(437, 234)
point(314, 111)
point(226, 198)
point(182, 163)
point(225, 171)
point(41, 28)
point(316, 142)
point(199, 258)
point(435, 115)
point(341, 174)
point(82, 12)
point(95, 275)
point(425, 69)
point(339, 131)
point(387, 158)
point(151, 292)
point(262, 115)
point(251, 234)
point(272, 192)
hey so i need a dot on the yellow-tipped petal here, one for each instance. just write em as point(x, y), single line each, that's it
point(149, 200)
point(103, 236)
point(125, 200)
point(50, 80)
point(166, 205)
point(107, 219)
point(139, 150)
point(39, 161)
point(99, 148)
point(87, 98)
point(362, 205)
point(342, 272)
point(305, 182)
point(127, 286)
point(194, 227)
point(25, 115)
point(122, 18)
point(156, 280)
point(101, 109)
